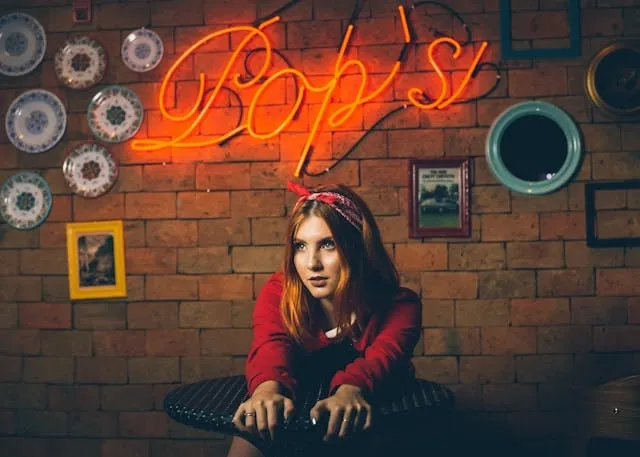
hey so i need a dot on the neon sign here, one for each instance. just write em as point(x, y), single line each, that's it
point(415, 95)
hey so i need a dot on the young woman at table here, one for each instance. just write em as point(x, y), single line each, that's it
point(339, 288)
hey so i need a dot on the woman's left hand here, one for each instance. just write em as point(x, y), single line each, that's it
point(349, 412)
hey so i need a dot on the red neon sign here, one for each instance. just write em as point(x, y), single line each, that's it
point(340, 116)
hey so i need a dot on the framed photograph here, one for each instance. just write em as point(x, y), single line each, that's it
point(612, 211)
point(439, 198)
point(95, 254)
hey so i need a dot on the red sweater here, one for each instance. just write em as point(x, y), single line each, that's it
point(385, 346)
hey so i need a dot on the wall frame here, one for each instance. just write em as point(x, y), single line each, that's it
point(95, 255)
point(508, 52)
point(594, 238)
point(611, 80)
point(439, 199)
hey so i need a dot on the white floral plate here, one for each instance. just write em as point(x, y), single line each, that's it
point(115, 114)
point(22, 44)
point(142, 50)
point(25, 200)
point(35, 121)
point(90, 170)
point(80, 62)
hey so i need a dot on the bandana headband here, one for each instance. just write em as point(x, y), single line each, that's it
point(343, 205)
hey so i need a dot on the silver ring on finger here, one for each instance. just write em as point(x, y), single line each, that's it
point(249, 414)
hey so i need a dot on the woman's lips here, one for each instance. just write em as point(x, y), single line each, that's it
point(318, 282)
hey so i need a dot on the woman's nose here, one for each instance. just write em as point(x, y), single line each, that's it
point(313, 260)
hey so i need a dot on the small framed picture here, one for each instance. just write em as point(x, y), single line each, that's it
point(439, 197)
point(95, 254)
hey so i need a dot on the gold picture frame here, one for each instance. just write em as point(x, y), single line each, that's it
point(611, 80)
point(96, 265)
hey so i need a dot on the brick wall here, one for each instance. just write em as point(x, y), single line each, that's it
point(518, 319)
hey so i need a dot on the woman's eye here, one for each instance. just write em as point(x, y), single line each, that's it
point(298, 246)
point(328, 244)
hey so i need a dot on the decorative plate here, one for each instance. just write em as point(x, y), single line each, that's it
point(22, 44)
point(613, 80)
point(142, 50)
point(25, 200)
point(115, 114)
point(90, 170)
point(35, 121)
point(80, 63)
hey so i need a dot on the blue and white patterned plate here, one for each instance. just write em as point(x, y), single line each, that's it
point(35, 121)
point(25, 200)
point(22, 44)
point(80, 62)
point(142, 50)
point(115, 114)
point(90, 170)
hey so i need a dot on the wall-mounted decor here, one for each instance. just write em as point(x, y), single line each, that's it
point(90, 170)
point(615, 227)
point(142, 50)
point(439, 197)
point(613, 80)
point(509, 52)
point(81, 11)
point(115, 114)
point(264, 66)
point(533, 148)
point(35, 121)
point(23, 43)
point(95, 254)
point(25, 200)
point(80, 62)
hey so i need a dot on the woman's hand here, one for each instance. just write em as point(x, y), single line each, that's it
point(349, 412)
point(263, 413)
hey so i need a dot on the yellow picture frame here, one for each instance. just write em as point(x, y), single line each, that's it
point(96, 264)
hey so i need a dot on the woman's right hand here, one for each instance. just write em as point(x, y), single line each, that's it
point(264, 412)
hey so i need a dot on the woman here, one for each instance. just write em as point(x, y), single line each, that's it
point(339, 292)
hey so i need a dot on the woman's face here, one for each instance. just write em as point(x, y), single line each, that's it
point(316, 258)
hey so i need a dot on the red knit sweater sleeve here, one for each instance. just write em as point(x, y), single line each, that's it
point(271, 353)
point(389, 349)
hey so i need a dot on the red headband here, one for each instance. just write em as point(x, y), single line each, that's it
point(343, 205)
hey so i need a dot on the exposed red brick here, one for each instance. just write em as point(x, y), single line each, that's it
point(487, 369)
point(535, 255)
point(152, 315)
point(101, 370)
point(48, 369)
point(510, 227)
point(550, 311)
point(153, 370)
point(450, 341)
point(171, 287)
point(484, 256)
point(449, 285)
point(151, 260)
point(509, 340)
point(159, 205)
point(212, 259)
point(205, 314)
point(66, 343)
point(125, 343)
point(152, 424)
point(172, 233)
point(554, 283)
point(172, 342)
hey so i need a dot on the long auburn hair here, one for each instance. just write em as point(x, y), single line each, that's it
point(368, 278)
